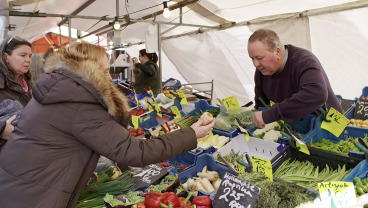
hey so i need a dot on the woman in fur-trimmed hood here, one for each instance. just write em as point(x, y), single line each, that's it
point(75, 116)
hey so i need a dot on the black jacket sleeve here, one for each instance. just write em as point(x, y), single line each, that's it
point(148, 69)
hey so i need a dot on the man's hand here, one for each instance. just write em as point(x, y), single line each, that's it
point(258, 119)
point(200, 130)
point(90, 179)
point(135, 60)
point(8, 128)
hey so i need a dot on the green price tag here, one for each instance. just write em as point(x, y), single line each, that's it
point(338, 122)
point(231, 103)
point(240, 168)
point(182, 96)
point(158, 110)
point(337, 193)
point(176, 111)
point(263, 166)
point(135, 121)
point(271, 103)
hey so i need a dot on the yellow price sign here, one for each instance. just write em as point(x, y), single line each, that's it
point(135, 121)
point(272, 103)
point(247, 137)
point(338, 122)
point(231, 103)
point(340, 193)
point(158, 110)
point(302, 146)
point(149, 106)
point(182, 96)
point(263, 166)
point(151, 93)
point(240, 168)
point(135, 96)
point(176, 111)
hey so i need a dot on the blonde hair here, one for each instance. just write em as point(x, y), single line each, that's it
point(87, 51)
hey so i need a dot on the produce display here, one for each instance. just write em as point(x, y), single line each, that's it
point(136, 132)
point(276, 194)
point(361, 186)
point(307, 175)
point(214, 140)
point(343, 146)
point(214, 112)
point(358, 123)
point(111, 181)
point(138, 111)
point(207, 181)
point(227, 118)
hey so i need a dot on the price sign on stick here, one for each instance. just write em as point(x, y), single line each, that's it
point(176, 111)
point(235, 193)
point(135, 121)
point(182, 96)
point(148, 175)
point(231, 103)
point(263, 166)
point(158, 110)
point(337, 124)
point(361, 110)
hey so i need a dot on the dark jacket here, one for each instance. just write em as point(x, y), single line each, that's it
point(148, 76)
point(298, 90)
point(9, 89)
point(71, 121)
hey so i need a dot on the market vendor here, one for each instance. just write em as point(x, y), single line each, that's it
point(76, 115)
point(147, 75)
point(291, 77)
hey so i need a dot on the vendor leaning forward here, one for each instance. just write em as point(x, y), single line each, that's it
point(291, 77)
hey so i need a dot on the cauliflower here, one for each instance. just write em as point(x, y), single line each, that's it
point(272, 135)
point(266, 128)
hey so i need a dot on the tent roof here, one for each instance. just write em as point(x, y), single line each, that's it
point(198, 13)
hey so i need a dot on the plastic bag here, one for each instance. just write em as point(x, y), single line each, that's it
point(225, 118)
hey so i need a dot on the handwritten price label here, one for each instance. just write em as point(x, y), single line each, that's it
point(135, 121)
point(302, 146)
point(176, 111)
point(158, 109)
point(338, 192)
point(337, 124)
point(151, 93)
point(361, 110)
point(231, 103)
point(263, 166)
point(149, 106)
point(182, 96)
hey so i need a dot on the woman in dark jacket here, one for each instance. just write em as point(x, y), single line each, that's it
point(146, 73)
point(76, 115)
point(15, 76)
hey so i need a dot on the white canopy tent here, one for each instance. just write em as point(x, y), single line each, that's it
point(207, 39)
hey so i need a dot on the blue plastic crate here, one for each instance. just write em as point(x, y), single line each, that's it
point(212, 165)
point(201, 105)
point(364, 92)
point(232, 132)
point(204, 159)
point(154, 121)
point(187, 159)
point(349, 132)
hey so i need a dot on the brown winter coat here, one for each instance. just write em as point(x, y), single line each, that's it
point(9, 89)
point(75, 116)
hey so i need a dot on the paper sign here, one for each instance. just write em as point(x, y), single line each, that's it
point(337, 124)
point(135, 96)
point(151, 93)
point(247, 137)
point(158, 110)
point(231, 103)
point(176, 111)
point(149, 106)
point(135, 121)
point(338, 193)
point(361, 110)
point(240, 168)
point(182, 96)
point(234, 192)
point(302, 146)
point(263, 166)
point(271, 103)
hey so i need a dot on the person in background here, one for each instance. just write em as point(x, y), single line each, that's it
point(77, 114)
point(291, 77)
point(146, 73)
point(15, 76)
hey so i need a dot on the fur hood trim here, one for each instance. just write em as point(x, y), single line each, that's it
point(91, 72)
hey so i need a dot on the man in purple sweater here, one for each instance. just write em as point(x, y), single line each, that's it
point(291, 77)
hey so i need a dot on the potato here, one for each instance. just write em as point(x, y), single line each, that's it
point(207, 118)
